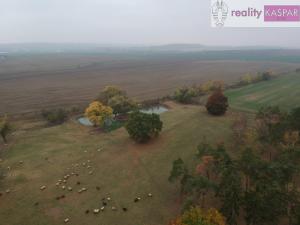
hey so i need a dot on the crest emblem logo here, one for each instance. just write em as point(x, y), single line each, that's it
point(219, 12)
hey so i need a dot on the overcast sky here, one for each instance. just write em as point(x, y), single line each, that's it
point(127, 22)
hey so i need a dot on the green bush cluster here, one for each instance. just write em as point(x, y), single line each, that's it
point(55, 116)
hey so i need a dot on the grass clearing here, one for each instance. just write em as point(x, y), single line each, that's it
point(283, 91)
point(124, 170)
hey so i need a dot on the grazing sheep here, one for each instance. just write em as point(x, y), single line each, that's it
point(96, 211)
point(66, 220)
point(43, 188)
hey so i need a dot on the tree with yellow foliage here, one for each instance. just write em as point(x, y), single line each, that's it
point(199, 216)
point(98, 113)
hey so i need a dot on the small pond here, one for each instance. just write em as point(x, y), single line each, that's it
point(156, 109)
point(85, 121)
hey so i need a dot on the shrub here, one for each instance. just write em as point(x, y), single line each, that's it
point(110, 92)
point(212, 85)
point(266, 76)
point(56, 116)
point(5, 128)
point(217, 103)
point(117, 99)
point(121, 104)
point(184, 95)
point(141, 126)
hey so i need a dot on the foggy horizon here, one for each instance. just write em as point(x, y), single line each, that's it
point(128, 23)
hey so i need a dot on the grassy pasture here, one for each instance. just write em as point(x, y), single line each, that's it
point(124, 170)
point(283, 91)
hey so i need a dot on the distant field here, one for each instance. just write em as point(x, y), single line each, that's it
point(123, 170)
point(33, 82)
point(283, 91)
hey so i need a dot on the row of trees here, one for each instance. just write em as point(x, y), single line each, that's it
point(216, 104)
point(186, 95)
point(261, 184)
point(255, 78)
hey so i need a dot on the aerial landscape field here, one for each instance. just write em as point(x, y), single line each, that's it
point(148, 112)
point(98, 161)
point(50, 80)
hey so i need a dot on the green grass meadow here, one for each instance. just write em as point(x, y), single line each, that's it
point(283, 91)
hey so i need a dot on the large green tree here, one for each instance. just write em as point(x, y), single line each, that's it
point(142, 126)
